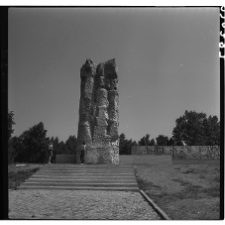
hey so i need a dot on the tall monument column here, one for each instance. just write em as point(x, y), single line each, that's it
point(99, 113)
point(87, 74)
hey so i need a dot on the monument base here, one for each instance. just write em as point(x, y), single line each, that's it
point(101, 155)
point(65, 159)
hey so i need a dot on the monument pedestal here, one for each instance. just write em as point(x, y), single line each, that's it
point(101, 155)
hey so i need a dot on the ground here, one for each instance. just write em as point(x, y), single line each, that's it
point(184, 192)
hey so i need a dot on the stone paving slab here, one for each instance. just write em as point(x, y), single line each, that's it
point(79, 205)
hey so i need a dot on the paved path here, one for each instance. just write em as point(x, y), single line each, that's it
point(79, 204)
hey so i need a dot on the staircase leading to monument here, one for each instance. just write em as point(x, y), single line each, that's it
point(83, 177)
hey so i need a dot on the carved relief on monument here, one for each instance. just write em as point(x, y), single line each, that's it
point(84, 133)
point(107, 84)
point(114, 84)
point(102, 97)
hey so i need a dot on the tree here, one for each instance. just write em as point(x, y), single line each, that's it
point(61, 148)
point(71, 145)
point(152, 142)
point(162, 140)
point(170, 142)
point(196, 129)
point(212, 130)
point(125, 145)
point(145, 140)
point(121, 143)
point(11, 122)
point(11, 149)
point(32, 145)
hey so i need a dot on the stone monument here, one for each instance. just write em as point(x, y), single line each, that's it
point(98, 113)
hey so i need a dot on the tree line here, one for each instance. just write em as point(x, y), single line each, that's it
point(33, 144)
point(192, 128)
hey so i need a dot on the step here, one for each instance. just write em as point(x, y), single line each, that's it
point(89, 169)
point(83, 174)
point(81, 179)
point(85, 171)
point(79, 188)
point(84, 184)
point(85, 165)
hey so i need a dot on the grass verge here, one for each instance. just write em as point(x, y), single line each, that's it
point(183, 192)
point(17, 175)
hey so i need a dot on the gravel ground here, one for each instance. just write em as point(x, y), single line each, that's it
point(80, 205)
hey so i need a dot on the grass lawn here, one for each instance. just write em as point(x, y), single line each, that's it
point(184, 192)
point(16, 175)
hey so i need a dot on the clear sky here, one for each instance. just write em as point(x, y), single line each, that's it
point(168, 61)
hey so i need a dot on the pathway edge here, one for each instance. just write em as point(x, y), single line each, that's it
point(155, 206)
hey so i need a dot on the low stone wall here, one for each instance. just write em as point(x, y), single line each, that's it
point(180, 152)
point(195, 161)
point(150, 150)
point(195, 153)
point(65, 159)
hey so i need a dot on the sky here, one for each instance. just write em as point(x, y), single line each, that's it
point(168, 62)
